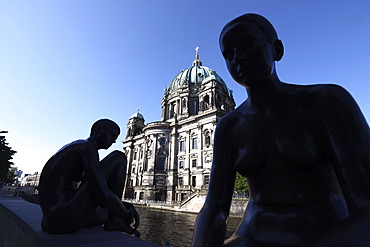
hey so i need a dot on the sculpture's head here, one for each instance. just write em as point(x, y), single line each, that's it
point(250, 46)
point(105, 132)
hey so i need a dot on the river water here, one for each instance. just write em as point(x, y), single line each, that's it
point(157, 226)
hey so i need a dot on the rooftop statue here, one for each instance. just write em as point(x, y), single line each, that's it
point(77, 190)
point(303, 149)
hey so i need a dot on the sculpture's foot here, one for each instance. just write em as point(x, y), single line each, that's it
point(121, 226)
point(42, 225)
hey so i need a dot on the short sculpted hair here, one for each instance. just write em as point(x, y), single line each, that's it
point(261, 23)
point(104, 124)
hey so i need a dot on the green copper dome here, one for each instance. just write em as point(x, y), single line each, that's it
point(137, 115)
point(195, 75)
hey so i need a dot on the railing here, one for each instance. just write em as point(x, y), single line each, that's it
point(15, 190)
point(186, 187)
point(194, 192)
point(241, 195)
point(151, 202)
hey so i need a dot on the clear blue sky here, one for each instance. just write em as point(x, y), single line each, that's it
point(65, 64)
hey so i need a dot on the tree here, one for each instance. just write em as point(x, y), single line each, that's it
point(6, 154)
point(10, 177)
point(241, 185)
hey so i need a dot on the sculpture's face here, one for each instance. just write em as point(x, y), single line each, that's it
point(248, 54)
point(107, 137)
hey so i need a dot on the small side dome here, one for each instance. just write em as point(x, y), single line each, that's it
point(137, 115)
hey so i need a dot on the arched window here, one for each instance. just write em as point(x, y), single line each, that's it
point(181, 164)
point(206, 102)
point(128, 132)
point(160, 162)
point(172, 109)
point(208, 141)
point(182, 145)
point(194, 143)
point(184, 102)
point(162, 141)
point(194, 106)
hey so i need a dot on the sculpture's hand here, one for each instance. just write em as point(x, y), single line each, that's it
point(134, 232)
point(133, 214)
point(122, 226)
point(136, 216)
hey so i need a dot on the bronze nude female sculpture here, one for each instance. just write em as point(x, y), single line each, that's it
point(77, 190)
point(305, 151)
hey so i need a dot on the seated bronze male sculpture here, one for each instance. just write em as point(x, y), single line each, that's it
point(305, 151)
point(77, 190)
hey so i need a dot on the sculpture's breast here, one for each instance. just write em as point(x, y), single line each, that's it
point(250, 141)
point(301, 153)
point(300, 140)
point(292, 134)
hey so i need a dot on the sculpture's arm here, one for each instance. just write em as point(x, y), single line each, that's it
point(210, 226)
point(349, 140)
point(95, 176)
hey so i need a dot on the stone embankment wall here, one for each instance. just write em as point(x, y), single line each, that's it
point(238, 207)
point(194, 205)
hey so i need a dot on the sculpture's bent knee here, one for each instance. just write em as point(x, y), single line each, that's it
point(116, 157)
point(116, 154)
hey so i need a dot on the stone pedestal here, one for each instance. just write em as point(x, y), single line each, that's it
point(20, 227)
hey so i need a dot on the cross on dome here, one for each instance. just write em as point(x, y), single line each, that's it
point(197, 62)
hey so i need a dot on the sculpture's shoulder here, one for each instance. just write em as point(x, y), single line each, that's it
point(70, 155)
point(321, 95)
point(77, 145)
point(76, 148)
point(330, 93)
point(230, 121)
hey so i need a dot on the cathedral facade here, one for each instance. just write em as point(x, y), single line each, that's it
point(171, 159)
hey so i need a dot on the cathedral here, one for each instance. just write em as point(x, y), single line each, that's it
point(171, 159)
